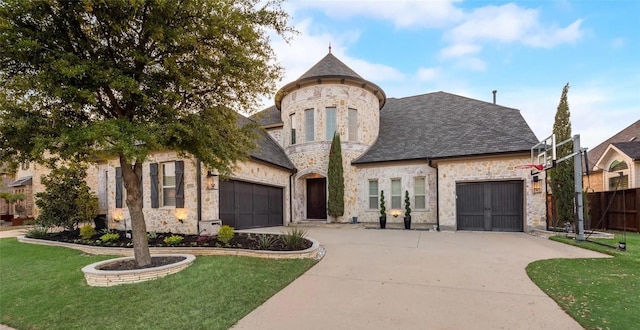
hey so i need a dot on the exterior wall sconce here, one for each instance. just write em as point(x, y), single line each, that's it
point(211, 183)
point(182, 214)
point(117, 215)
point(395, 212)
point(536, 185)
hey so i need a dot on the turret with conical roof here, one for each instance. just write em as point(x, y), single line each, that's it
point(329, 98)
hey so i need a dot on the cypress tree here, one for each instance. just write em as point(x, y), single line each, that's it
point(561, 176)
point(336, 179)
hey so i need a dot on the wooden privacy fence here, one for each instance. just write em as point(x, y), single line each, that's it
point(623, 213)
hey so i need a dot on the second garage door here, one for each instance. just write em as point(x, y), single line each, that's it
point(490, 206)
point(248, 205)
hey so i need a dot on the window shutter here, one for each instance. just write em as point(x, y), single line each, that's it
point(179, 184)
point(153, 169)
point(118, 187)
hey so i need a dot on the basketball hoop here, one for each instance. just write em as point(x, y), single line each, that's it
point(538, 167)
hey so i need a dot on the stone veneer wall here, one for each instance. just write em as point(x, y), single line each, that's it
point(276, 134)
point(342, 97)
point(406, 171)
point(489, 169)
point(312, 158)
point(164, 219)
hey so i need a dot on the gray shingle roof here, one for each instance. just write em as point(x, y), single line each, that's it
point(267, 117)
point(267, 150)
point(623, 136)
point(441, 125)
point(329, 66)
point(632, 149)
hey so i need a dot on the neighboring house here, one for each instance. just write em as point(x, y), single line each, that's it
point(455, 156)
point(615, 163)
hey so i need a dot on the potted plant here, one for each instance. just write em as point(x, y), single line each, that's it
point(407, 210)
point(383, 211)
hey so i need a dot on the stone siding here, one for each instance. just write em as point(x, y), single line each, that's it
point(489, 169)
point(406, 171)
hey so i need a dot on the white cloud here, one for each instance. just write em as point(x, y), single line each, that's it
point(427, 74)
point(403, 13)
point(459, 50)
point(471, 63)
point(617, 43)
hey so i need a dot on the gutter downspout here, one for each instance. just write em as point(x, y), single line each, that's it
point(199, 194)
point(437, 196)
point(295, 170)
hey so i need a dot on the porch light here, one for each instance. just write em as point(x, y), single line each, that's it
point(117, 215)
point(181, 214)
point(211, 183)
point(536, 184)
point(395, 212)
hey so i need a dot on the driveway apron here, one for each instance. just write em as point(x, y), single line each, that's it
point(398, 279)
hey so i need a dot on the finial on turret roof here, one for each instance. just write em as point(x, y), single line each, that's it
point(329, 47)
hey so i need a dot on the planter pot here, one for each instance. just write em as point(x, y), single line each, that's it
point(383, 222)
point(355, 220)
point(407, 222)
point(100, 222)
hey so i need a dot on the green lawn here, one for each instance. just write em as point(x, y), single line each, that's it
point(598, 293)
point(43, 287)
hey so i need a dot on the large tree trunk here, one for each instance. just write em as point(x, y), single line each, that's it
point(131, 175)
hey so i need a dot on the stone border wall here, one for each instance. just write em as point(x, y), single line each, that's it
point(96, 277)
point(309, 253)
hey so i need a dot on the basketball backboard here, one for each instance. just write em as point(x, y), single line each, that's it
point(544, 152)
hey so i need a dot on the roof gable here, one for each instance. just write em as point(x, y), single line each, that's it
point(630, 133)
point(441, 125)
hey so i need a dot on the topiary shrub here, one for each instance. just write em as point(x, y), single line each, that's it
point(87, 231)
point(225, 234)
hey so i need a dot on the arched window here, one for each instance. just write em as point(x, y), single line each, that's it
point(618, 175)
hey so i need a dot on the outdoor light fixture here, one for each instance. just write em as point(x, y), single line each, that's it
point(211, 183)
point(181, 214)
point(536, 184)
point(395, 212)
point(117, 215)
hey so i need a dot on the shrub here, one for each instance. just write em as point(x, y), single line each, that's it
point(266, 241)
point(225, 234)
point(294, 239)
point(37, 232)
point(173, 240)
point(87, 231)
point(110, 237)
point(152, 235)
point(67, 200)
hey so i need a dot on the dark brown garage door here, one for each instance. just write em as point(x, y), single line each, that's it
point(490, 206)
point(248, 205)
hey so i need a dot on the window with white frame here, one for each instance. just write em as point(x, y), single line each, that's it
point(618, 175)
point(168, 184)
point(396, 194)
point(353, 125)
point(309, 126)
point(292, 121)
point(373, 194)
point(419, 193)
point(332, 122)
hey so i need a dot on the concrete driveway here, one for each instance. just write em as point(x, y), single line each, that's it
point(396, 279)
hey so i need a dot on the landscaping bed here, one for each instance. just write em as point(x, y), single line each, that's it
point(249, 241)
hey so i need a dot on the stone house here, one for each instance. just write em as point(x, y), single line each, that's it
point(615, 163)
point(455, 156)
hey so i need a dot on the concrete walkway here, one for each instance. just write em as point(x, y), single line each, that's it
point(396, 279)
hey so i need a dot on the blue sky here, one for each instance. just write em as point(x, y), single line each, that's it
point(526, 50)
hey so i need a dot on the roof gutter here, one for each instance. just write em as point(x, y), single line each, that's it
point(437, 195)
